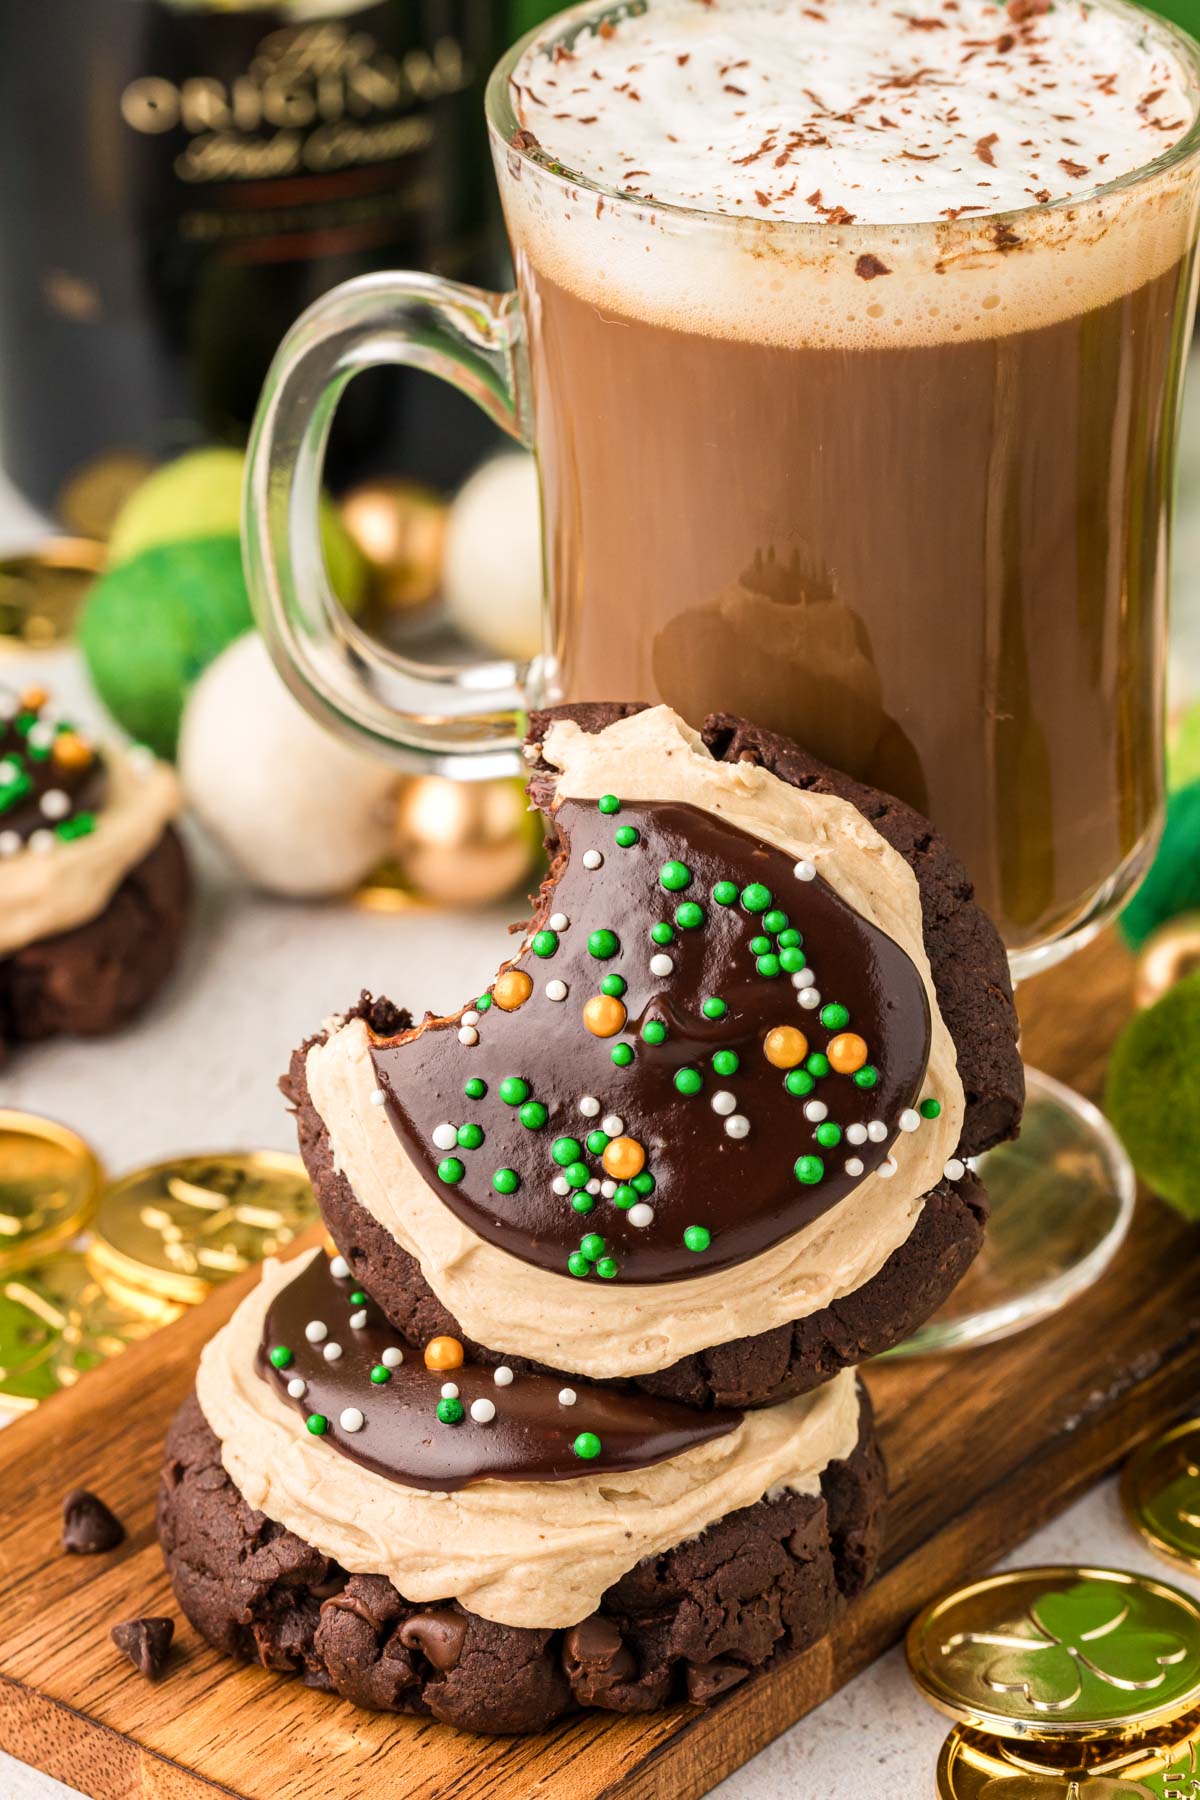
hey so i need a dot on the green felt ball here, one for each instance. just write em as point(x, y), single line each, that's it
point(1173, 884)
point(1183, 750)
point(1153, 1094)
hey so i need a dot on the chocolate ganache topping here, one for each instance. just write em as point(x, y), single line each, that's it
point(331, 1353)
point(52, 783)
point(701, 1050)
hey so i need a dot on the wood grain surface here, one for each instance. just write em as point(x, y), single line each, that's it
point(982, 1448)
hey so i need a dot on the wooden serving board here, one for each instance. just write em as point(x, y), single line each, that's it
point(982, 1447)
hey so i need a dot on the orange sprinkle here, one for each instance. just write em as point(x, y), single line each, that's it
point(847, 1052)
point(784, 1047)
point(512, 989)
point(604, 1015)
point(70, 751)
point(443, 1353)
point(33, 699)
point(623, 1158)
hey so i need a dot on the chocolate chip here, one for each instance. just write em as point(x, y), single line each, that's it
point(147, 1644)
point(437, 1635)
point(88, 1527)
point(706, 1680)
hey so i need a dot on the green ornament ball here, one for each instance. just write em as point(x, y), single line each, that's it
point(1173, 885)
point(1153, 1094)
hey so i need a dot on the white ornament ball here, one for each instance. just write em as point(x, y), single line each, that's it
point(299, 812)
point(492, 576)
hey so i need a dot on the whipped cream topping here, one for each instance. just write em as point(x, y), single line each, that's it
point(862, 111)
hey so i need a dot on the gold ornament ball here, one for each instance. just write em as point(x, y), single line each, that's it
point(401, 530)
point(464, 843)
point(1169, 954)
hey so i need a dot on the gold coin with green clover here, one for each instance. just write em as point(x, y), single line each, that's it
point(1160, 1490)
point(1060, 1653)
point(1163, 1766)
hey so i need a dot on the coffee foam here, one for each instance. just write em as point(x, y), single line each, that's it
point(794, 273)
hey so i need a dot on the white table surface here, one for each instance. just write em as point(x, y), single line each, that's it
point(199, 1073)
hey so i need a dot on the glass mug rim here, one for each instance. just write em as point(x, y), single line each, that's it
point(503, 124)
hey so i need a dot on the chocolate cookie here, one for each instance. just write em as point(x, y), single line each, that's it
point(92, 979)
point(755, 1587)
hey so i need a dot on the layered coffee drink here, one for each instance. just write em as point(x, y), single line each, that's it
point(855, 345)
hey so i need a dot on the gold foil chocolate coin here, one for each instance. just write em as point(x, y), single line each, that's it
point(42, 591)
point(49, 1184)
point(1059, 1653)
point(181, 1227)
point(1160, 1490)
point(1164, 1766)
point(56, 1323)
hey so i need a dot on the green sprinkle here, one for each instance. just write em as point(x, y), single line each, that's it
point(791, 960)
point(809, 1170)
point(533, 1115)
point(726, 1062)
point(929, 1109)
point(790, 940)
point(514, 1090)
point(867, 1076)
point(582, 1202)
point(662, 933)
point(566, 1150)
point(627, 836)
point(689, 916)
point(613, 985)
point(697, 1237)
point(603, 944)
point(775, 921)
point(817, 1064)
point(545, 943)
point(578, 1263)
point(358, 1298)
point(606, 1268)
point(82, 825)
point(281, 1356)
point(506, 1181)
point(675, 876)
point(592, 1246)
point(713, 1007)
point(625, 1196)
point(622, 1055)
point(689, 1081)
point(597, 1143)
point(756, 898)
point(450, 1170)
point(451, 1412)
point(470, 1136)
point(770, 966)
point(483, 1003)
point(654, 1032)
point(725, 893)
point(609, 803)
point(760, 946)
point(317, 1423)
point(577, 1174)
point(829, 1135)
point(644, 1183)
point(380, 1373)
point(475, 1088)
point(587, 1445)
point(835, 1016)
point(799, 1082)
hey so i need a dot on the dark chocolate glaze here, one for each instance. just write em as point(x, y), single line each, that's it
point(38, 767)
point(530, 1438)
point(744, 1191)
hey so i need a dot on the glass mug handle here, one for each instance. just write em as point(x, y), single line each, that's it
point(464, 720)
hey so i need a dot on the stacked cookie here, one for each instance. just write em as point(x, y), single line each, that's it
point(572, 1419)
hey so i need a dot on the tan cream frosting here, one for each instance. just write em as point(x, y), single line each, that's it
point(535, 1553)
point(42, 894)
point(623, 1329)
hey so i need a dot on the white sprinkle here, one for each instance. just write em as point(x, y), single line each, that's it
point(724, 1102)
point(503, 1376)
point(955, 1169)
point(560, 1185)
point(738, 1126)
point(351, 1419)
point(483, 1411)
point(470, 1017)
point(468, 1035)
point(661, 964)
point(316, 1331)
point(392, 1357)
point(877, 1131)
point(55, 804)
point(297, 1387)
point(640, 1216)
point(42, 841)
point(608, 1189)
point(804, 978)
point(141, 758)
point(854, 1165)
point(856, 1134)
point(10, 843)
point(909, 1120)
point(40, 736)
point(332, 1352)
point(566, 1396)
point(358, 1319)
point(10, 704)
point(556, 990)
point(592, 859)
point(805, 870)
point(449, 1390)
point(378, 1097)
point(9, 770)
point(593, 1186)
point(445, 1135)
point(589, 1106)
point(558, 921)
point(887, 1168)
point(339, 1268)
point(809, 998)
point(613, 1125)
point(816, 1110)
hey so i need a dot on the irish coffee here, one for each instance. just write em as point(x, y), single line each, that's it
point(855, 377)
